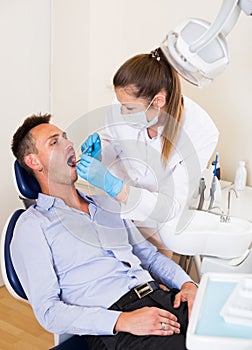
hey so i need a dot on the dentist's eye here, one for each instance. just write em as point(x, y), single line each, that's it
point(130, 109)
point(125, 109)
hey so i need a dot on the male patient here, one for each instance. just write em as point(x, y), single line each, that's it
point(82, 266)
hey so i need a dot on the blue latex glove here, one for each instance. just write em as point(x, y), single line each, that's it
point(93, 171)
point(93, 143)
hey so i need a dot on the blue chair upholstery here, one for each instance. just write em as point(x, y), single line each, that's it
point(9, 268)
point(27, 184)
point(29, 188)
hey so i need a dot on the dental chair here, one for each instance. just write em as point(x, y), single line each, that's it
point(29, 189)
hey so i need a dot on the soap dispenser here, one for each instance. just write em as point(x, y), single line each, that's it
point(240, 176)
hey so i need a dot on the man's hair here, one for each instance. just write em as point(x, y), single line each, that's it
point(23, 142)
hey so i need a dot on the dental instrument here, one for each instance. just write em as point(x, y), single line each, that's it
point(93, 148)
point(213, 184)
point(202, 187)
point(216, 166)
point(215, 162)
point(212, 192)
point(72, 163)
point(197, 49)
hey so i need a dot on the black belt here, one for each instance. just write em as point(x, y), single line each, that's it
point(137, 293)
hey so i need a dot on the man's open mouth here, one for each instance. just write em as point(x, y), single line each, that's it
point(71, 161)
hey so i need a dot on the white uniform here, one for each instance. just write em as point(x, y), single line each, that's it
point(157, 193)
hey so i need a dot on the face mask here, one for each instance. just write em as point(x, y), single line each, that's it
point(139, 120)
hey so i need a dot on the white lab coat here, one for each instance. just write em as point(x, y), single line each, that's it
point(158, 194)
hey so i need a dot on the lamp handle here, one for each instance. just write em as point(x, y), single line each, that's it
point(246, 6)
point(224, 22)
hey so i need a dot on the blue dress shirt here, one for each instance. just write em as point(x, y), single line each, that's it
point(74, 266)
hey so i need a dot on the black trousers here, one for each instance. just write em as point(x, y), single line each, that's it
point(126, 341)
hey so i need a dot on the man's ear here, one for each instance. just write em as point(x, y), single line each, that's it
point(32, 161)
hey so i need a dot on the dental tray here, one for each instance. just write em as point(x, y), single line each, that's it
point(238, 308)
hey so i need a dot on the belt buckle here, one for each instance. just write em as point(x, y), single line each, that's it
point(143, 289)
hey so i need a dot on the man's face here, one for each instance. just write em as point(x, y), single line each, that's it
point(54, 150)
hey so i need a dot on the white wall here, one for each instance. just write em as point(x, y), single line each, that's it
point(70, 59)
point(25, 80)
point(93, 37)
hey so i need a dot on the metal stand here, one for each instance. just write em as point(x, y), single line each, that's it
point(186, 262)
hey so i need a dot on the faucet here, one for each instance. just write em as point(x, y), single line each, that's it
point(229, 199)
point(226, 218)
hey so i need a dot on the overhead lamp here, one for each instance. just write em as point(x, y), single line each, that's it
point(197, 49)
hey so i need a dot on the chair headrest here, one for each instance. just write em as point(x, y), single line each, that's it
point(27, 184)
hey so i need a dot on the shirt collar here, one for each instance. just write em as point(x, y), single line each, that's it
point(47, 202)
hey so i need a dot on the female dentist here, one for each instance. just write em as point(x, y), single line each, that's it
point(155, 144)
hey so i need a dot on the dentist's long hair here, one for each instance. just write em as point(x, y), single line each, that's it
point(150, 74)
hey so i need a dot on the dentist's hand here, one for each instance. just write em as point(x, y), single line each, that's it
point(93, 143)
point(93, 171)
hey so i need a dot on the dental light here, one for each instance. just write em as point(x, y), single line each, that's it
point(198, 49)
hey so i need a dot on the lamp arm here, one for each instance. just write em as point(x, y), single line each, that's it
point(224, 22)
point(197, 49)
point(246, 6)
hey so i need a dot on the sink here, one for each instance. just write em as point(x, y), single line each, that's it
point(205, 234)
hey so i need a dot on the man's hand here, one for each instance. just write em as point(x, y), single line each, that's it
point(148, 321)
point(187, 293)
